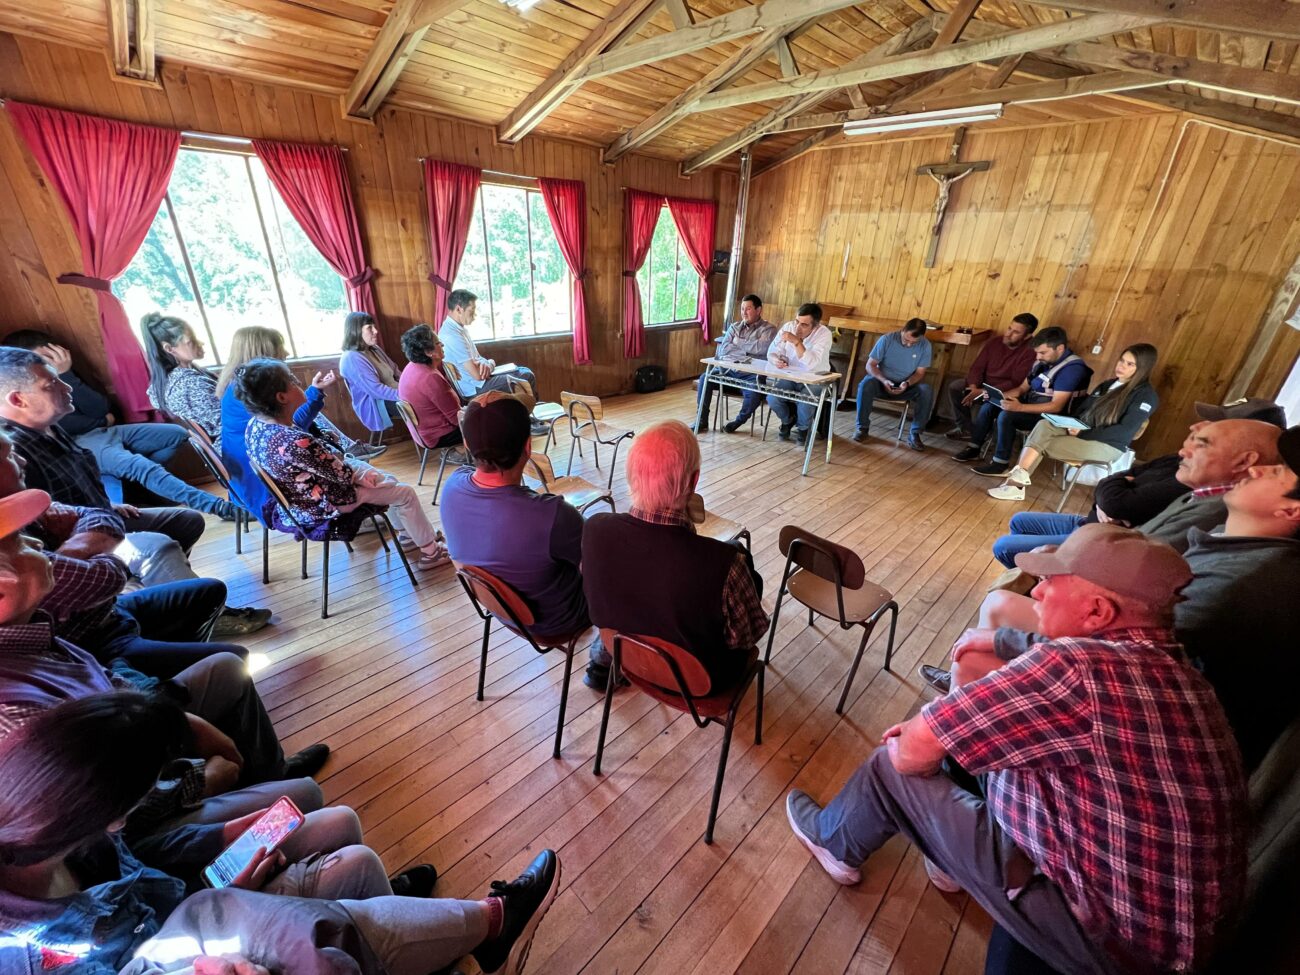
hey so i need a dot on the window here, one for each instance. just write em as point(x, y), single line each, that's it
point(513, 263)
point(670, 288)
point(224, 252)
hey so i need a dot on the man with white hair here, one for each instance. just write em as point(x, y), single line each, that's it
point(648, 572)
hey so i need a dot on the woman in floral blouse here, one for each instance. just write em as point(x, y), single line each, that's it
point(317, 481)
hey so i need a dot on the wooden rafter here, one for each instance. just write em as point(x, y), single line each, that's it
point(785, 59)
point(918, 35)
point(681, 14)
point(726, 27)
point(1005, 70)
point(131, 39)
point(624, 20)
point(1284, 125)
point(724, 74)
point(1104, 83)
point(1004, 44)
point(1267, 18)
point(1229, 78)
point(407, 23)
point(956, 22)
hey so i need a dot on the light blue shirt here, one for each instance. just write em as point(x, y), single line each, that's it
point(460, 351)
point(896, 360)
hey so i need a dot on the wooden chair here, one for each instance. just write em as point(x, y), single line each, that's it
point(207, 452)
point(586, 422)
point(1071, 471)
point(342, 528)
point(578, 491)
point(723, 529)
point(412, 421)
point(674, 677)
point(831, 581)
point(494, 599)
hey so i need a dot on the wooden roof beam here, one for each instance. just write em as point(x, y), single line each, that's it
point(956, 22)
point(725, 27)
point(1274, 19)
point(1227, 78)
point(623, 21)
point(408, 21)
point(1000, 46)
point(131, 39)
point(920, 34)
point(721, 76)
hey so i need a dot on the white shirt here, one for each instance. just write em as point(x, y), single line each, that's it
point(816, 349)
point(460, 351)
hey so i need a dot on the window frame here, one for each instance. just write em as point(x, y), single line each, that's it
point(247, 154)
point(646, 297)
point(528, 184)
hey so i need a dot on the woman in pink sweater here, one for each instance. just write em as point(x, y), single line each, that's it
point(425, 385)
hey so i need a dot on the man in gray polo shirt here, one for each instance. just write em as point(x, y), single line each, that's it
point(895, 370)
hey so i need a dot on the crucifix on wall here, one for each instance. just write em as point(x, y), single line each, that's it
point(945, 174)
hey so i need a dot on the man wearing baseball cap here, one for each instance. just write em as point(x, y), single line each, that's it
point(1112, 835)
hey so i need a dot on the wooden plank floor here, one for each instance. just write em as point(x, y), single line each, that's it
point(436, 776)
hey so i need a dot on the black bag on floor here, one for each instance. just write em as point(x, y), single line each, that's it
point(650, 379)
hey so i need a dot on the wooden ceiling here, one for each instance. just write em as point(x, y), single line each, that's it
point(522, 71)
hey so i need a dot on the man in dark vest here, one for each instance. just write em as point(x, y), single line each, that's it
point(647, 572)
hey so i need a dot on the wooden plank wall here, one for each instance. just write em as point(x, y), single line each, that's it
point(37, 244)
point(1191, 225)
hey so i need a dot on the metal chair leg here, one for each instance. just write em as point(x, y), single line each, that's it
point(893, 625)
point(348, 545)
point(564, 698)
point(304, 558)
point(424, 461)
point(776, 615)
point(482, 660)
point(604, 716)
point(266, 554)
point(325, 580)
point(1069, 486)
point(239, 541)
point(758, 711)
point(401, 552)
point(812, 617)
point(374, 520)
point(573, 442)
point(853, 670)
point(442, 467)
point(722, 771)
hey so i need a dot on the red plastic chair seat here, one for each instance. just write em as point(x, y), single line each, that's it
point(713, 705)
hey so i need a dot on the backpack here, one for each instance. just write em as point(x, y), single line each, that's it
point(650, 379)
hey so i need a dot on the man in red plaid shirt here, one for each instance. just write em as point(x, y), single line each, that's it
point(1112, 838)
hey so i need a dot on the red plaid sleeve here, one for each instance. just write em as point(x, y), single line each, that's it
point(1034, 711)
point(743, 620)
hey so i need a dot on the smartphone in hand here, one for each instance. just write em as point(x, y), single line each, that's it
point(269, 830)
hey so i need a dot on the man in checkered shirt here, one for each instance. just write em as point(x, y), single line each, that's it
point(1112, 838)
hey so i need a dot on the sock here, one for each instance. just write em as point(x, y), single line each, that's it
point(496, 916)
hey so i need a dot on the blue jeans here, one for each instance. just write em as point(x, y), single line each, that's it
point(173, 622)
point(137, 452)
point(749, 399)
point(920, 396)
point(1007, 424)
point(1030, 529)
point(787, 411)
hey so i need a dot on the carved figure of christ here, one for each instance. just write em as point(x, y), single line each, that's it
point(945, 174)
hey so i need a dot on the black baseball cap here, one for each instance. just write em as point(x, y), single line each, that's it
point(1253, 408)
point(1288, 445)
point(496, 426)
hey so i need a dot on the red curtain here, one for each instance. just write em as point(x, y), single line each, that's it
point(111, 177)
point(449, 190)
point(640, 214)
point(566, 205)
point(313, 180)
point(696, 220)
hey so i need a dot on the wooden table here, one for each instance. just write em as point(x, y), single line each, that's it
point(715, 371)
point(944, 338)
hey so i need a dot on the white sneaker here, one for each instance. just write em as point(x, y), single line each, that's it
point(1008, 492)
point(941, 879)
point(1020, 476)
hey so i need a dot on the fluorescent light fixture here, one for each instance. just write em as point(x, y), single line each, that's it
point(923, 120)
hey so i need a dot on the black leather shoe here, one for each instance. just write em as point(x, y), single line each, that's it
point(993, 469)
point(240, 621)
point(732, 426)
point(525, 901)
point(915, 443)
point(784, 432)
point(967, 455)
point(306, 763)
point(416, 882)
point(800, 436)
point(936, 677)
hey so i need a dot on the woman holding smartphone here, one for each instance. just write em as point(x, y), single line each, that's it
point(78, 896)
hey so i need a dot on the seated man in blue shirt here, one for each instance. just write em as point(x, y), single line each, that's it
point(530, 541)
point(1058, 377)
point(896, 370)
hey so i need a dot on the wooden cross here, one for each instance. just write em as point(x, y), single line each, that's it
point(945, 174)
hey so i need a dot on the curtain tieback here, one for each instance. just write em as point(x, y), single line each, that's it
point(440, 281)
point(583, 274)
point(86, 281)
point(629, 274)
point(365, 277)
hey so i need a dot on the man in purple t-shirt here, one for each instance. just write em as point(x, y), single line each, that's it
point(531, 541)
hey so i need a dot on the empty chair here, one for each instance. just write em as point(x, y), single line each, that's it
point(831, 581)
point(578, 491)
point(586, 422)
point(493, 598)
point(407, 412)
point(341, 528)
point(674, 677)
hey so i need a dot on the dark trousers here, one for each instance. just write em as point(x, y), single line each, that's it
point(452, 438)
point(219, 690)
point(920, 396)
point(173, 623)
point(955, 830)
point(750, 399)
point(963, 416)
point(1006, 424)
